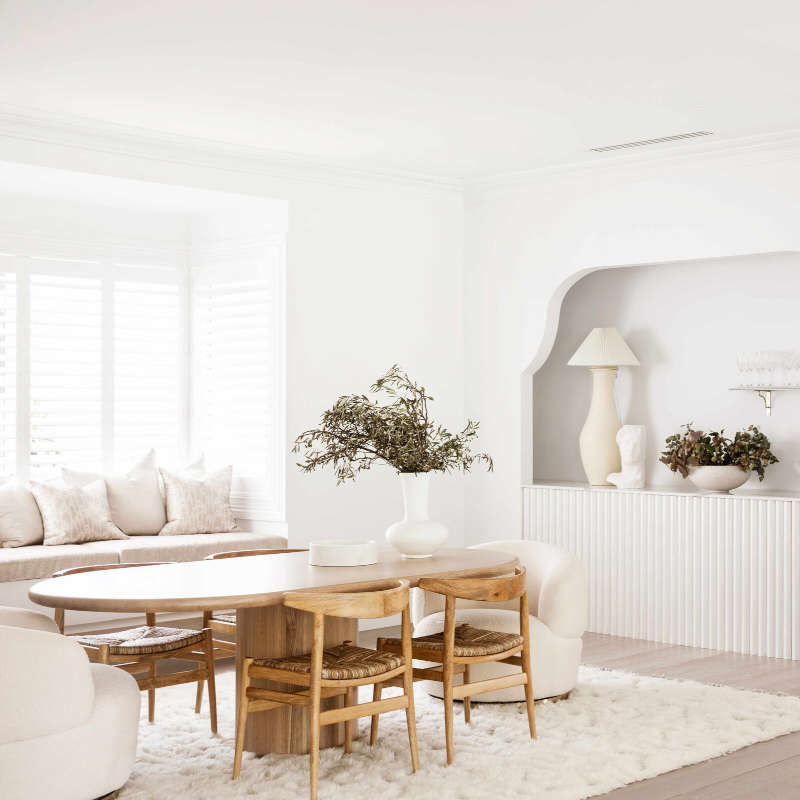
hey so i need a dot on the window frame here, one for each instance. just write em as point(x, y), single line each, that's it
point(268, 503)
point(26, 255)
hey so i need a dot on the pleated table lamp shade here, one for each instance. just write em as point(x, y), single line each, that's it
point(604, 347)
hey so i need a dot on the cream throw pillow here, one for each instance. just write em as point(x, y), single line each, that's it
point(197, 469)
point(198, 505)
point(20, 520)
point(135, 500)
point(71, 515)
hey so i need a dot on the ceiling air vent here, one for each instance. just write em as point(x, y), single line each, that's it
point(644, 142)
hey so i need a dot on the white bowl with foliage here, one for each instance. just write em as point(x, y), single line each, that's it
point(716, 463)
point(718, 478)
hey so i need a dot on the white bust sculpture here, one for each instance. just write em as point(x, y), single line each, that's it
point(631, 443)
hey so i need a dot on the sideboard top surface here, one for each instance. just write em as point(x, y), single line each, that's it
point(747, 494)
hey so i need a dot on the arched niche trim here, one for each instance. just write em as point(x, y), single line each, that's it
point(548, 339)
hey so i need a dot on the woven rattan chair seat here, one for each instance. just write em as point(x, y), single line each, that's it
point(469, 642)
point(224, 616)
point(147, 640)
point(343, 662)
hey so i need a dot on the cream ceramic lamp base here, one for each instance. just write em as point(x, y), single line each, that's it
point(603, 350)
point(598, 439)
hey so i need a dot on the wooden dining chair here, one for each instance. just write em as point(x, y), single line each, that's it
point(224, 622)
point(457, 647)
point(140, 650)
point(335, 671)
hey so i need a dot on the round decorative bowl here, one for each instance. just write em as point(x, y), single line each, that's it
point(342, 553)
point(718, 478)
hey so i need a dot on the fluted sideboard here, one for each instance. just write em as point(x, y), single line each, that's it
point(681, 567)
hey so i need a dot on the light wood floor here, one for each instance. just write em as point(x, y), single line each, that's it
point(767, 771)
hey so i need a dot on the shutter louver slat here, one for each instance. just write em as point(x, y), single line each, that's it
point(66, 374)
point(147, 374)
point(8, 374)
point(234, 380)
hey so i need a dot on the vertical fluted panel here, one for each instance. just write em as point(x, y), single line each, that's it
point(794, 610)
point(700, 570)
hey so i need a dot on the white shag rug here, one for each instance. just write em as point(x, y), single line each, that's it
point(615, 729)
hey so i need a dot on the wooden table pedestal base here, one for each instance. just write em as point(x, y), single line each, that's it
point(275, 631)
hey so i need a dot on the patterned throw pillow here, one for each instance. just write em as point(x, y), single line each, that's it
point(198, 505)
point(72, 515)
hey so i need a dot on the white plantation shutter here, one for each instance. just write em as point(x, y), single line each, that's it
point(237, 370)
point(8, 368)
point(148, 371)
point(66, 373)
point(103, 356)
point(93, 362)
point(234, 349)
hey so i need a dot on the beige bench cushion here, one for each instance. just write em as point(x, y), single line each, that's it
point(193, 546)
point(41, 561)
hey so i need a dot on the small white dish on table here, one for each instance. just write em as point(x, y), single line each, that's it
point(342, 553)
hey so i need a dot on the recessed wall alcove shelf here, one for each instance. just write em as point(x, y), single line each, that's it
point(669, 563)
point(765, 393)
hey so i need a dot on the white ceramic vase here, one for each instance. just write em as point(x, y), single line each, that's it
point(718, 478)
point(416, 536)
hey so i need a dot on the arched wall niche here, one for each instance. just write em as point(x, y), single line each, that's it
point(687, 321)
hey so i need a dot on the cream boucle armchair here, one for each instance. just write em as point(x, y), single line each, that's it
point(68, 728)
point(558, 602)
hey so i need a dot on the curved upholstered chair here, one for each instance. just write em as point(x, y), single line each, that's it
point(68, 728)
point(558, 601)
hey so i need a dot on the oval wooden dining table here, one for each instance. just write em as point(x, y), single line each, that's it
point(255, 586)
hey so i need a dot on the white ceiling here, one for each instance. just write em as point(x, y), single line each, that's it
point(451, 88)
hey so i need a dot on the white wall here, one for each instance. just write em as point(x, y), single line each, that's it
point(528, 241)
point(686, 323)
point(374, 277)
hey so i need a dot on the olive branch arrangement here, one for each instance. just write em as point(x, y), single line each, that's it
point(356, 432)
point(749, 449)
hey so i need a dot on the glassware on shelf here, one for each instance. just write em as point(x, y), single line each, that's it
point(769, 368)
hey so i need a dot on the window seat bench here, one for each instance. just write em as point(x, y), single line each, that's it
point(21, 567)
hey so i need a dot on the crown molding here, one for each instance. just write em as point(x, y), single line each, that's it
point(83, 133)
point(749, 149)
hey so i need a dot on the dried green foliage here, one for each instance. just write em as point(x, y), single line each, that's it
point(749, 449)
point(356, 432)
